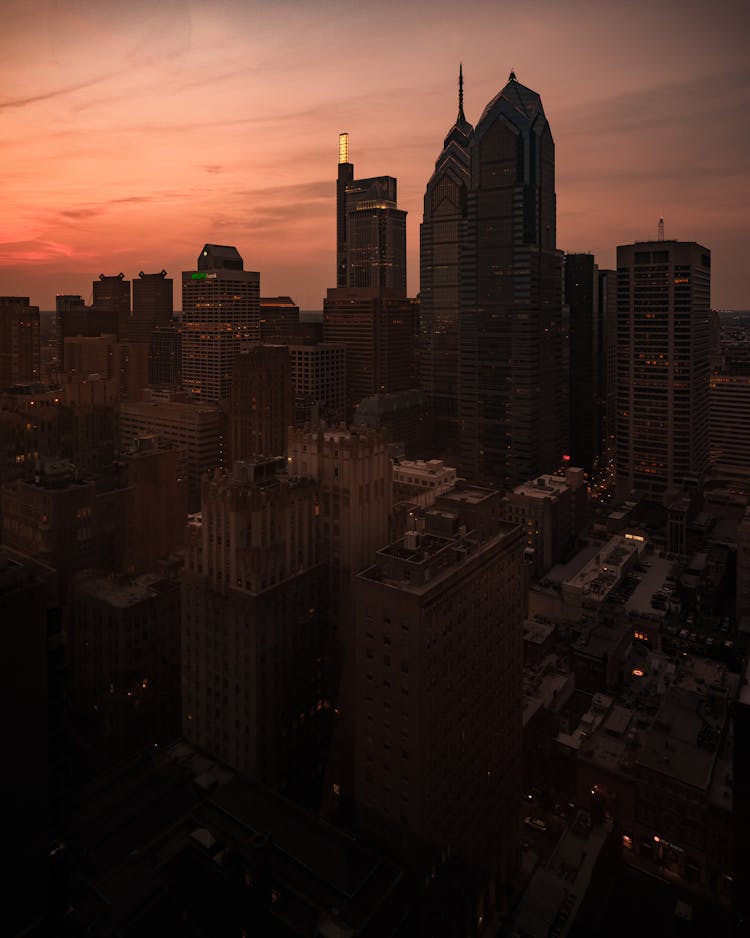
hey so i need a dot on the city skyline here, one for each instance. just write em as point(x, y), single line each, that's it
point(240, 145)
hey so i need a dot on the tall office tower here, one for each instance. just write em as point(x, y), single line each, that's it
point(220, 311)
point(586, 397)
point(153, 306)
point(70, 319)
point(439, 699)
point(318, 383)
point(260, 403)
point(253, 686)
point(378, 327)
point(19, 342)
point(279, 320)
point(112, 295)
point(370, 229)
point(512, 345)
point(441, 235)
point(608, 359)
point(663, 303)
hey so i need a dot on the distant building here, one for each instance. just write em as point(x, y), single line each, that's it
point(19, 342)
point(743, 569)
point(220, 312)
point(370, 230)
point(439, 620)
point(663, 290)
point(441, 238)
point(318, 373)
point(378, 328)
point(74, 318)
point(586, 394)
point(153, 307)
point(608, 359)
point(112, 295)
point(260, 402)
point(165, 357)
point(279, 320)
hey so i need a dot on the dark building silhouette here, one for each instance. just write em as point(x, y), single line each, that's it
point(512, 344)
point(370, 229)
point(586, 393)
point(153, 306)
point(260, 402)
point(111, 294)
point(19, 342)
point(608, 359)
point(663, 304)
point(438, 675)
point(279, 320)
point(74, 318)
point(378, 327)
point(27, 592)
point(318, 372)
point(441, 237)
point(256, 698)
point(165, 356)
point(220, 311)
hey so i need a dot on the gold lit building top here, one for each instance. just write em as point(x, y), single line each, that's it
point(343, 148)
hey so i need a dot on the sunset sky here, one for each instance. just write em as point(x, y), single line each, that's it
point(133, 132)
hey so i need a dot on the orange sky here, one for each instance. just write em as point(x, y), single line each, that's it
point(134, 132)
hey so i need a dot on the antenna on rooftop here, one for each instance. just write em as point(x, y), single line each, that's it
point(660, 230)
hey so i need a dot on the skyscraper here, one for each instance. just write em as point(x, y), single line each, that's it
point(220, 311)
point(441, 236)
point(260, 403)
point(586, 400)
point(112, 295)
point(152, 306)
point(370, 229)
point(663, 303)
point(513, 400)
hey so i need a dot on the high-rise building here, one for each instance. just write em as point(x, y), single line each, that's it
point(319, 383)
point(260, 403)
point(585, 394)
point(441, 235)
point(19, 342)
point(165, 357)
point(112, 295)
point(378, 327)
point(220, 312)
point(74, 318)
point(608, 359)
point(513, 370)
point(153, 306)
point(370, 229)
point(439, 620)
point(663, 303)
point(729, 423)
point(279, 320)
point(252, 641)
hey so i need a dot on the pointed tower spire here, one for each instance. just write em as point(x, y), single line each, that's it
point(461, 92)
point(512, 76)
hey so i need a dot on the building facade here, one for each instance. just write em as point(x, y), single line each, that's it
point(260, 402)
point(663, 303)
point(19, 342)
point(220, 312)
point(441, 237)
